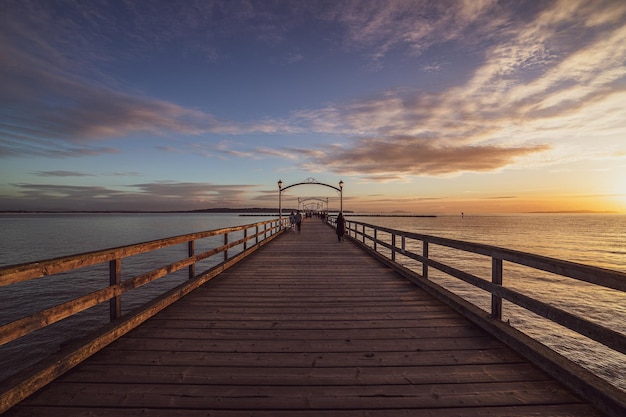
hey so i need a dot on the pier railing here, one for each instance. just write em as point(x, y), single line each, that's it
point(420, 257)
point(229, 245)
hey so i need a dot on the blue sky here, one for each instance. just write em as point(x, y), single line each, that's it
point(419, 106)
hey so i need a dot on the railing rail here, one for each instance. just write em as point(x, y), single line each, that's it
point(18, 387)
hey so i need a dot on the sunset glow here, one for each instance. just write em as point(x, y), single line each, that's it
point(418, 106)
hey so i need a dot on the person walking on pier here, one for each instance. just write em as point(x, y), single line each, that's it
point(341, 227)
point(299, 220)
point(292, 221)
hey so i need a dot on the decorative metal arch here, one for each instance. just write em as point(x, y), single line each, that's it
point(313, 181)
point(302, 200)
point(308, 181)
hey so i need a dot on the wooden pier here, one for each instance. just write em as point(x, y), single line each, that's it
point(306, 326)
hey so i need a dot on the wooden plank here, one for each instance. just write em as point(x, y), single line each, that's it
point(298, 334)
point(558, 410)
point(308, 358)
point(259, 397)
point(310, 315)
point(267, 346)
point(225, 323)
point(427, 374)
point(311, 309)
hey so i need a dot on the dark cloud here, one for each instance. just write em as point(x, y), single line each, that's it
point(83, 174)
point(166, 195)
point(62, 174)
point(56, 107)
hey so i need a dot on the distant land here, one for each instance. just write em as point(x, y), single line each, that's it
point(250, 211)
point(274, 211)
point(260, 210)
point(208, 210)
point(394, 214)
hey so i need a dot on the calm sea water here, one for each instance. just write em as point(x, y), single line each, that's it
point(598, 240)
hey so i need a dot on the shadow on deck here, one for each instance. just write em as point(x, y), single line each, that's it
point(306, 326)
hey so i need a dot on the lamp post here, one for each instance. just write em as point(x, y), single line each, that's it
point(280, 202)
point(341, 196)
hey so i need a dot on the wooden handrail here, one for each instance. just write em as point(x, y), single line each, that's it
point(595, 275)
point(113, 292)
point(599, 276)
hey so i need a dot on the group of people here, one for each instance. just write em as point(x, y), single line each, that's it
point(295, 219)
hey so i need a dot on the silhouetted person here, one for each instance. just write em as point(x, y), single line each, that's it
point(292, 220)
point(341, 227)
point(299, 220)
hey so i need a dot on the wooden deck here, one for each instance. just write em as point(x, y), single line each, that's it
point(306, 326)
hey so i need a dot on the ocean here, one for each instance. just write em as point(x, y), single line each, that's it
point(593, 239)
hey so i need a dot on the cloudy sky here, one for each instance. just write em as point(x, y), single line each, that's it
point(435, 106)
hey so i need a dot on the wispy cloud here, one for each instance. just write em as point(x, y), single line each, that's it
point(382, 27)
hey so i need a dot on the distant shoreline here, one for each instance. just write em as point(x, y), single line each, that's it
point(257, 211)
point(217, 210)
point(248, 212)
point(390, 215)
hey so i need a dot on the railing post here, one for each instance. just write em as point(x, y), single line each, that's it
point(191, 251)
point(256, 234)
point(496, 279)
point(245, 240)
point(375, 238)
point(393, 247)
point(363, 234)
point(115, 278)
point(265, 230)
point(225, 249)
point(424, 262)
point(403, 244)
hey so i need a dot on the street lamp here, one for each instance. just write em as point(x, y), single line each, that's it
point(341, 196)
point(280, 202)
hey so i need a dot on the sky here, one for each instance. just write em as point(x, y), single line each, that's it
point(426, 107)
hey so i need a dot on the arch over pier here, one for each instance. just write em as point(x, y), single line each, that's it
point(308, 181)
